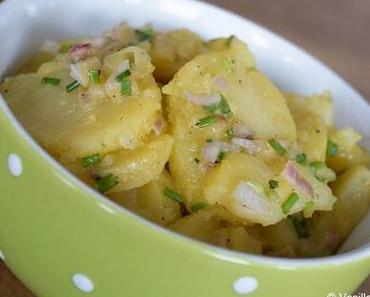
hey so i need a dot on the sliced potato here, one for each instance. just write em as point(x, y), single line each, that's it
point(237, 238)
point(185, 164)
point(353, 192)
point(214, 73)
point(36, 61)
point(280, 239)
point(260, 106)
point(322, 106)
point(150, 201)
point(151, 197)
point(79, 171)
point(72, 125)
point(233, 49)
point(138, 58)
point(329, 229)
point(312, 130)
point(349, 152)
point(313, 193)
point(207, 225)
point(241, 185)
point(252, 97)
point(53, 67)
point(171, 50)
point(126, 127)
point(135, 168)
point(201, 225)
point(238, 173)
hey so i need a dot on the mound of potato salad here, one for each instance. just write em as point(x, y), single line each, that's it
point(192, 136)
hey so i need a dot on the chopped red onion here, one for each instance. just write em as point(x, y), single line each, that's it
point(77, 74)
point(250, 146)
point(296, 180)
point(249, 197)
point(203, 99)
point(242, 131)
point(220, 82)
point(79, 51)
point(210, 153)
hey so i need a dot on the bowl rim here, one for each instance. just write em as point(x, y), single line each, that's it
point(357, 254)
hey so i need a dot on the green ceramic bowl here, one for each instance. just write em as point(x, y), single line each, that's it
point(63, 239)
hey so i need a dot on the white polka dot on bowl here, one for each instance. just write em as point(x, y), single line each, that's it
point(15, 165)
point(2, 257)
point(83, 283)
point(245, 285)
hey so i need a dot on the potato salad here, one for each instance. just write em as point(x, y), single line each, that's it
point(192, 136)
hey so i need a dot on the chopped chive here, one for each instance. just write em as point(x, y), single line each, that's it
point(300, 225)
point(50, 81)
point(211, 108)
point(65, 48)
point(207, 121)
point(173, 195)
point(229, 40)
point(301, 158)
point(222, 108)
point(94, 75)
point(220, 157)
point(144, 35)
point(273, 184)
point(229, 65)
point(277, 146)
point(123, 75)
point(230, 132)
point(126, 88)
point(289, 202)
point(90, 161)
point(106, 183)
point(225, 108)
point(308, 205)
point(73, 85)
point(196, 160)
point(209, 140)
point(198, 206)
point(331, 149)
